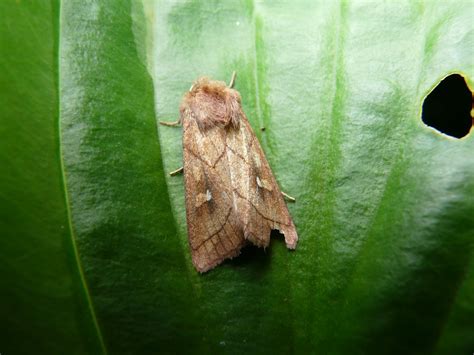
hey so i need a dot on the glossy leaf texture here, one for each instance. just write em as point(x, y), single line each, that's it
point(44, 306)
point(94, 246)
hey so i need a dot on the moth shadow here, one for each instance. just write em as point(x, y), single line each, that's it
point(253, 257)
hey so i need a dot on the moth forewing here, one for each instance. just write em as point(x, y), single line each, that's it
point(232, 196)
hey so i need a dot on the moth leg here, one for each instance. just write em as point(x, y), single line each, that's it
point(171, 124)
point(232, 80)
point(177, 171)
point(288, 197)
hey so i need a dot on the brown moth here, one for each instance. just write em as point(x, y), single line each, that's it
point(232, 197)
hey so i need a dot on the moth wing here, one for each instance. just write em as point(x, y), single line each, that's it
point(214, 230)
point(259, 198)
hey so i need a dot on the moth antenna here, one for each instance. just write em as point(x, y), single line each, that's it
point(171, 124)
point(177, 171)
point(288, 197)
point(232, 80)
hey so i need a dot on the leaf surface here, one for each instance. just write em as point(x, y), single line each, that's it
point(44, 306)
point(384, 203)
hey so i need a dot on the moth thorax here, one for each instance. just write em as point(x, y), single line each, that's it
point(211, 104)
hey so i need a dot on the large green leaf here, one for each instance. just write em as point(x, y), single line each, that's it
point(44, 307)
point(95, 254)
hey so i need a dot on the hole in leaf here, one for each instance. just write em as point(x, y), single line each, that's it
point(447, 108)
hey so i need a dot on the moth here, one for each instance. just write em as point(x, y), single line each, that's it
point(232, 197)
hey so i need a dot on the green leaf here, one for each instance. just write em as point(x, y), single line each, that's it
point(95, 255)
point(44, 307)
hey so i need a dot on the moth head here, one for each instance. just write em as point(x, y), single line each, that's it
point(212, 103)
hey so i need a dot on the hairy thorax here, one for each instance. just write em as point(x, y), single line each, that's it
point(211, 103)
